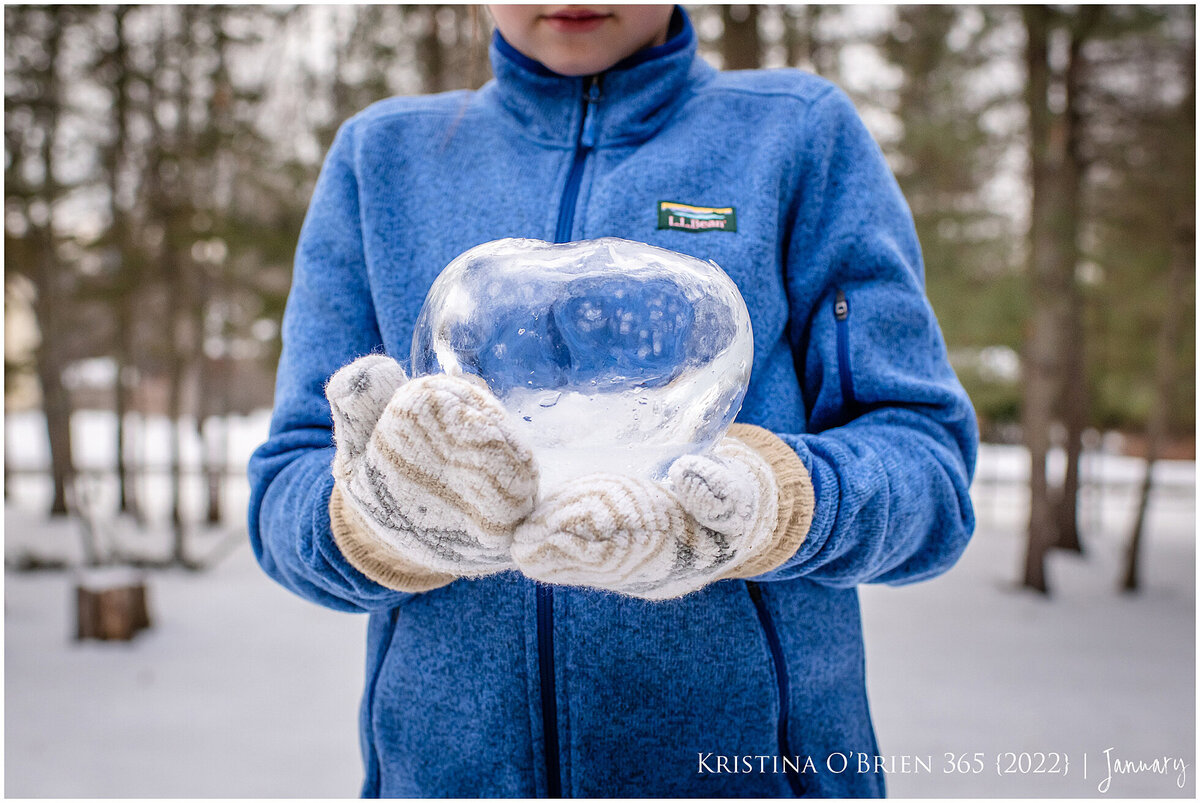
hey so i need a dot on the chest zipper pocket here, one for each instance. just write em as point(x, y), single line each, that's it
point(779, 665)
point(841, 317)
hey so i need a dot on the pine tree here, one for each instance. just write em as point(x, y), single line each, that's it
point(953, 133)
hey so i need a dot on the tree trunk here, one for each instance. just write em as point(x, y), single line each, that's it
point(177, 374)
point(175, 266)
point(1054, 344)
point(478, 69)
point(1156, 428)
point(49, 277)
point(213, 429)
point(125, 250)
point(430, 54)
point(120, 411)
point(1074, 397)
point(803, 42)
point(215, 468)
point(1042, 339)
point(1183, 260)
point(741, 46)
point(1074, 418)
point(110, 607)
point(126, 463)
point(793, 35)
point(56, 403)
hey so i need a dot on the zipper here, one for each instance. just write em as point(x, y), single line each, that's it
point(781, 680)
point(545, 627)
point(841, 314)
point(585, 140)
point(373, 780)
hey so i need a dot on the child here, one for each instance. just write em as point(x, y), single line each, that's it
point(696, 638)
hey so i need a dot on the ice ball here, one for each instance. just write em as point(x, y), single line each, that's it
point(609, 355)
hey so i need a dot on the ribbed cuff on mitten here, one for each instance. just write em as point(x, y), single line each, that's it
point(373, 558)
point(796, 500)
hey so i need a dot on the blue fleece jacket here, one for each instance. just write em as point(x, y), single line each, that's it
point(500, 687)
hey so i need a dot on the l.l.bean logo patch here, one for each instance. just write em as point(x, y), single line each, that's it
point(684, 217)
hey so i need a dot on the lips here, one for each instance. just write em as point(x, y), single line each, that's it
point(575, 20)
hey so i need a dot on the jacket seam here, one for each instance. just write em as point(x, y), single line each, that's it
point(523, 133)
point(383, 118)
point(793, 224)
point(507, 118)
point(798, 232)
point(366, 118)
point(407, 107)
point(686, 96)
point(811, 100)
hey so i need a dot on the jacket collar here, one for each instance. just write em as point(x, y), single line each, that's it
point(637, 95)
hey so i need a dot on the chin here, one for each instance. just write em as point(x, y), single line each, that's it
point(576, 64)
point(576, 69)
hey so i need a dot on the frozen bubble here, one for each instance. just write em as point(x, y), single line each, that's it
point(610, 355)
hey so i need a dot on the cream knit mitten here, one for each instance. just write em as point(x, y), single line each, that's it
point(645, 539)
point(430, 468)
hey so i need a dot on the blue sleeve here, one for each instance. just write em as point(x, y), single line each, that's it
point(891, 436)
point(328, 322)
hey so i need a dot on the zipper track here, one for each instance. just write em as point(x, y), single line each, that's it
point(781, 680)
point(585, 139)
point(566, 212)
point(545, 625)
point(373, 779)
point(841, 314)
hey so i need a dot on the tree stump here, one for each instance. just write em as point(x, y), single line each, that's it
point(110, 605)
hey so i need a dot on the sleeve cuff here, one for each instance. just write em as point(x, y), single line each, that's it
point(796, 499)
point(374, 559)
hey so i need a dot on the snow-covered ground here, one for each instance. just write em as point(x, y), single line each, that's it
point(240, 689)
point(966, 663)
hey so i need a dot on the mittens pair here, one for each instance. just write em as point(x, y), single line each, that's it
point(431, 483)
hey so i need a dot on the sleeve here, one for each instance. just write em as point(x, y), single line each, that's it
point(891, 436)
point(329, 321)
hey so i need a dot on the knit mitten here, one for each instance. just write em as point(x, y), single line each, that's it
point(718, 517)
point(430, 467)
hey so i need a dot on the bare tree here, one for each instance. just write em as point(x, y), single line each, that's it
point(1057, 175)
point(741, 43)
point(1182, 260)
point(34, 106)
point(122, 254)
point(1073, 395)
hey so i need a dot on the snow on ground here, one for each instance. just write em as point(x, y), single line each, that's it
point(966, 663)
point(240, 689)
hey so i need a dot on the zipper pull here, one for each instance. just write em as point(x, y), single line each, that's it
point(587, 137)
point(841, 307)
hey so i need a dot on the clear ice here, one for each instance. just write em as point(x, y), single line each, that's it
point(610, 355)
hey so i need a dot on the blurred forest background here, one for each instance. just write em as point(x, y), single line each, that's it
point(159, 159)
